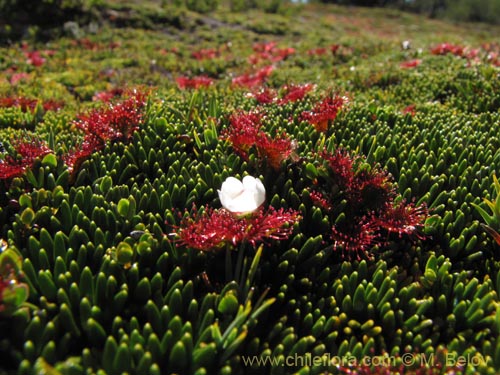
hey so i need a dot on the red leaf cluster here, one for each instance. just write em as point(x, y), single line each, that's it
point(245, 133)
point(34, 58)
point(108, 95)
point(114, 122)
point(269, 52)
point(205, 54)
point(445, 48)
point(293, 93)
point(213, 229)
point(288, 94)
point(254, 79)
point(21, 102)
point(324, 112)
point(320, 51)
point(27, 104)
point(410, 63)
point(194, 82)
point(369, 200)
point(28, 150)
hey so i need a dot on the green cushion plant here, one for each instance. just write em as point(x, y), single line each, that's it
point(120, 255)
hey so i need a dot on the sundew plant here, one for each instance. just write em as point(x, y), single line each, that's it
point(303, 189)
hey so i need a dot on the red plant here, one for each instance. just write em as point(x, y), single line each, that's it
point(52, 105)
point(205, 54)
point(10, 169)
point(213, 229)
point(367, 196)
point(402, 218)
point(445, 48)
point(253, 80)
point(264, 96)
point(34, 58)
point(25, 104)
point(17, 77)
point(266, 47)
point(341, 167)
point(115, 122)
point(28, 150)
point(194, 83)
point(31, 149)
point(410, 63)
point(269, 52)
point(74, 158)
point(334, 48)
point(355, 238)
point(319, 199)
point(317, 51)
point(324, 112)
point(275, 151)
point(244, 133)
point(410, 109)
point(107, 96)
point(293, 93)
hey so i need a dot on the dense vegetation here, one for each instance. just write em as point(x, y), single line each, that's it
point(458, 10)
point(374, 136)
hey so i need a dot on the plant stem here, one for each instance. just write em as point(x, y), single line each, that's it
point(229, 264)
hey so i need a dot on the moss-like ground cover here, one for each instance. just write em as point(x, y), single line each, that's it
point(374, 133)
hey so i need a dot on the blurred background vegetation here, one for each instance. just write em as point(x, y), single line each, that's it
point(20, 18)
point(457, 10)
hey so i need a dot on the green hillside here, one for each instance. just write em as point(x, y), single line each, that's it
point(125, 248)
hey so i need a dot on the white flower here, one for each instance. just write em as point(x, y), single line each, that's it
point(406, 44)
point(242, 197)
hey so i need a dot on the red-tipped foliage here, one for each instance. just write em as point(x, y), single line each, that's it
point(402, 218)
point(25, 104)
point(445, 48)
point(17, 77)
point(341, 167)
point(10, 169)
point(410, 109)
point(245, 132)
point(52, 105)
point(115, 122)
point(355, 238)
point(289, 93)
point(269, 52)
point(319, 200)
point(264, 96)
point(410, 63)
point(275, 151)
point(205, 54)
point(293, 93)
point(213, 229)
point(253, 80)
point(75, 157)
point(194, 83)
point(29, 150)
point(317, 51)
point(34, 58)
point(324, 112)
point(367, 196)
point(107, 96)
